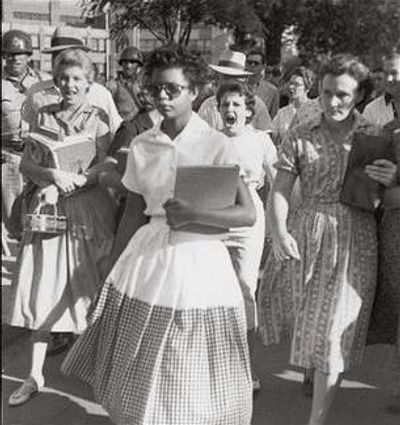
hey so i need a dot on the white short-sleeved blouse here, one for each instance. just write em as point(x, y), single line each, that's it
point(153, 159)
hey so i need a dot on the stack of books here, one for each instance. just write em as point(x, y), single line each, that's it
point(74, 153)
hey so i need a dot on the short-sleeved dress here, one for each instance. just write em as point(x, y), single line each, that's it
point(58, 275)
point(257, 155)
point(323, 302)
point(167, 340)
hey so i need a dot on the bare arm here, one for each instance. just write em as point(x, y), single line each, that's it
point(45, 176)
point(243, 213)
point(284, 245)
point(132, 219)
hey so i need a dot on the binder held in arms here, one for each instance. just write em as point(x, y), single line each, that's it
point(74, 153)
point(358, 189)
point(209, 187)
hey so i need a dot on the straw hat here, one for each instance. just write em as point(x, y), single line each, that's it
point(231, 63)
point(64, 37)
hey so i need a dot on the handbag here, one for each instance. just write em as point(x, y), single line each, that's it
point(40, 222)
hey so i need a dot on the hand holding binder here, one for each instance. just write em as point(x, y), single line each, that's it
point(359, 190)
point(207, 187)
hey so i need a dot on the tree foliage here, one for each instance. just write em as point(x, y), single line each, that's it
point(368, 28)
point(171, 20)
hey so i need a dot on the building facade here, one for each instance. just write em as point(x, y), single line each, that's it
point(39, 18)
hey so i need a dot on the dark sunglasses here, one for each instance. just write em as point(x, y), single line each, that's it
point(172, 90)
point(131, 61)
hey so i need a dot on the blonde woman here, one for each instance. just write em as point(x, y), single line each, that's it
point(58, 275)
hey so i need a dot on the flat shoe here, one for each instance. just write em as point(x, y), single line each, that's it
point(24, 393)
point(59, 343)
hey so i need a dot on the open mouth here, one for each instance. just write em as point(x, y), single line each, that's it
point(230, 119)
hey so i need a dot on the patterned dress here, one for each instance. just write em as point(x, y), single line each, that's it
point(58, 275)
point(167, 340)
point(322, 302)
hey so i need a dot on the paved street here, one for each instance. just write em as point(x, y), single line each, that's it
point(66, 401)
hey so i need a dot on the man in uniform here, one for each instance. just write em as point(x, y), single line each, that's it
point(17, 78)
point(45, 92)
point(125, 87)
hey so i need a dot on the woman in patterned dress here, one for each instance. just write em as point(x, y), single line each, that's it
point(167, 340)
point(58, 275)
point(319, 284)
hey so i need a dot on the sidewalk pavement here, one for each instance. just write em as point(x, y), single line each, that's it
point(67, 401)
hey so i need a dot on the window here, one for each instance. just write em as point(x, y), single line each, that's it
point(71, 19)
point(35, 41)
point(101, 45)
point(47, 41)
point(93, 44)
point(30, 16)
point(46, 66)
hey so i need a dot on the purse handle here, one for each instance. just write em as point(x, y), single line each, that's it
point(42, 205)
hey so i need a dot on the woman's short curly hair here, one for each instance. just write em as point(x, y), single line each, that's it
point(345, 63)
point(242, 90)
point(306, 74)
point(191, 63)
point(74, 57)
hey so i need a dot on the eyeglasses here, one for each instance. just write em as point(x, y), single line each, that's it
point(172, 90)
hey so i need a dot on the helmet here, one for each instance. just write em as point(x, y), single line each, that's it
point(131, 53)
point(16, 41)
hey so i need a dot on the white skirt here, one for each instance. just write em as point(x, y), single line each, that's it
point(167, 340)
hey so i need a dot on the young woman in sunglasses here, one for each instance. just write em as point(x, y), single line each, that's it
point(167, 341)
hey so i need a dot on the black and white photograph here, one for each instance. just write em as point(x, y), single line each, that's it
point(200, 212)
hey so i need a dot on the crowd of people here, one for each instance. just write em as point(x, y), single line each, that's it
point(162, 322)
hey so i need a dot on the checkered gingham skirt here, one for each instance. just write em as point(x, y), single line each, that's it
point(160, 364)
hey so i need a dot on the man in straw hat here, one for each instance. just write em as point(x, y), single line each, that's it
point(232, 66)
point(45, 93)
point(17, 78)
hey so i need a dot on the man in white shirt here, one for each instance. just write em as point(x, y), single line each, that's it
point(45, 92)
point(386, 107)
point(232, 67)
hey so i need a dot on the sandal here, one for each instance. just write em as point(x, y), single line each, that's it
point(24, 393)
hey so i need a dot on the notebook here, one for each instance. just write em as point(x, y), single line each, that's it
point(74, 153)
point(213, 187)
point(358, 189)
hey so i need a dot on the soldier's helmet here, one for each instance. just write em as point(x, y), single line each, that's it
point(16, 41)
point(131, 53)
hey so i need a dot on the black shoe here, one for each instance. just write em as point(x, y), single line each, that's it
point(59, 342)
